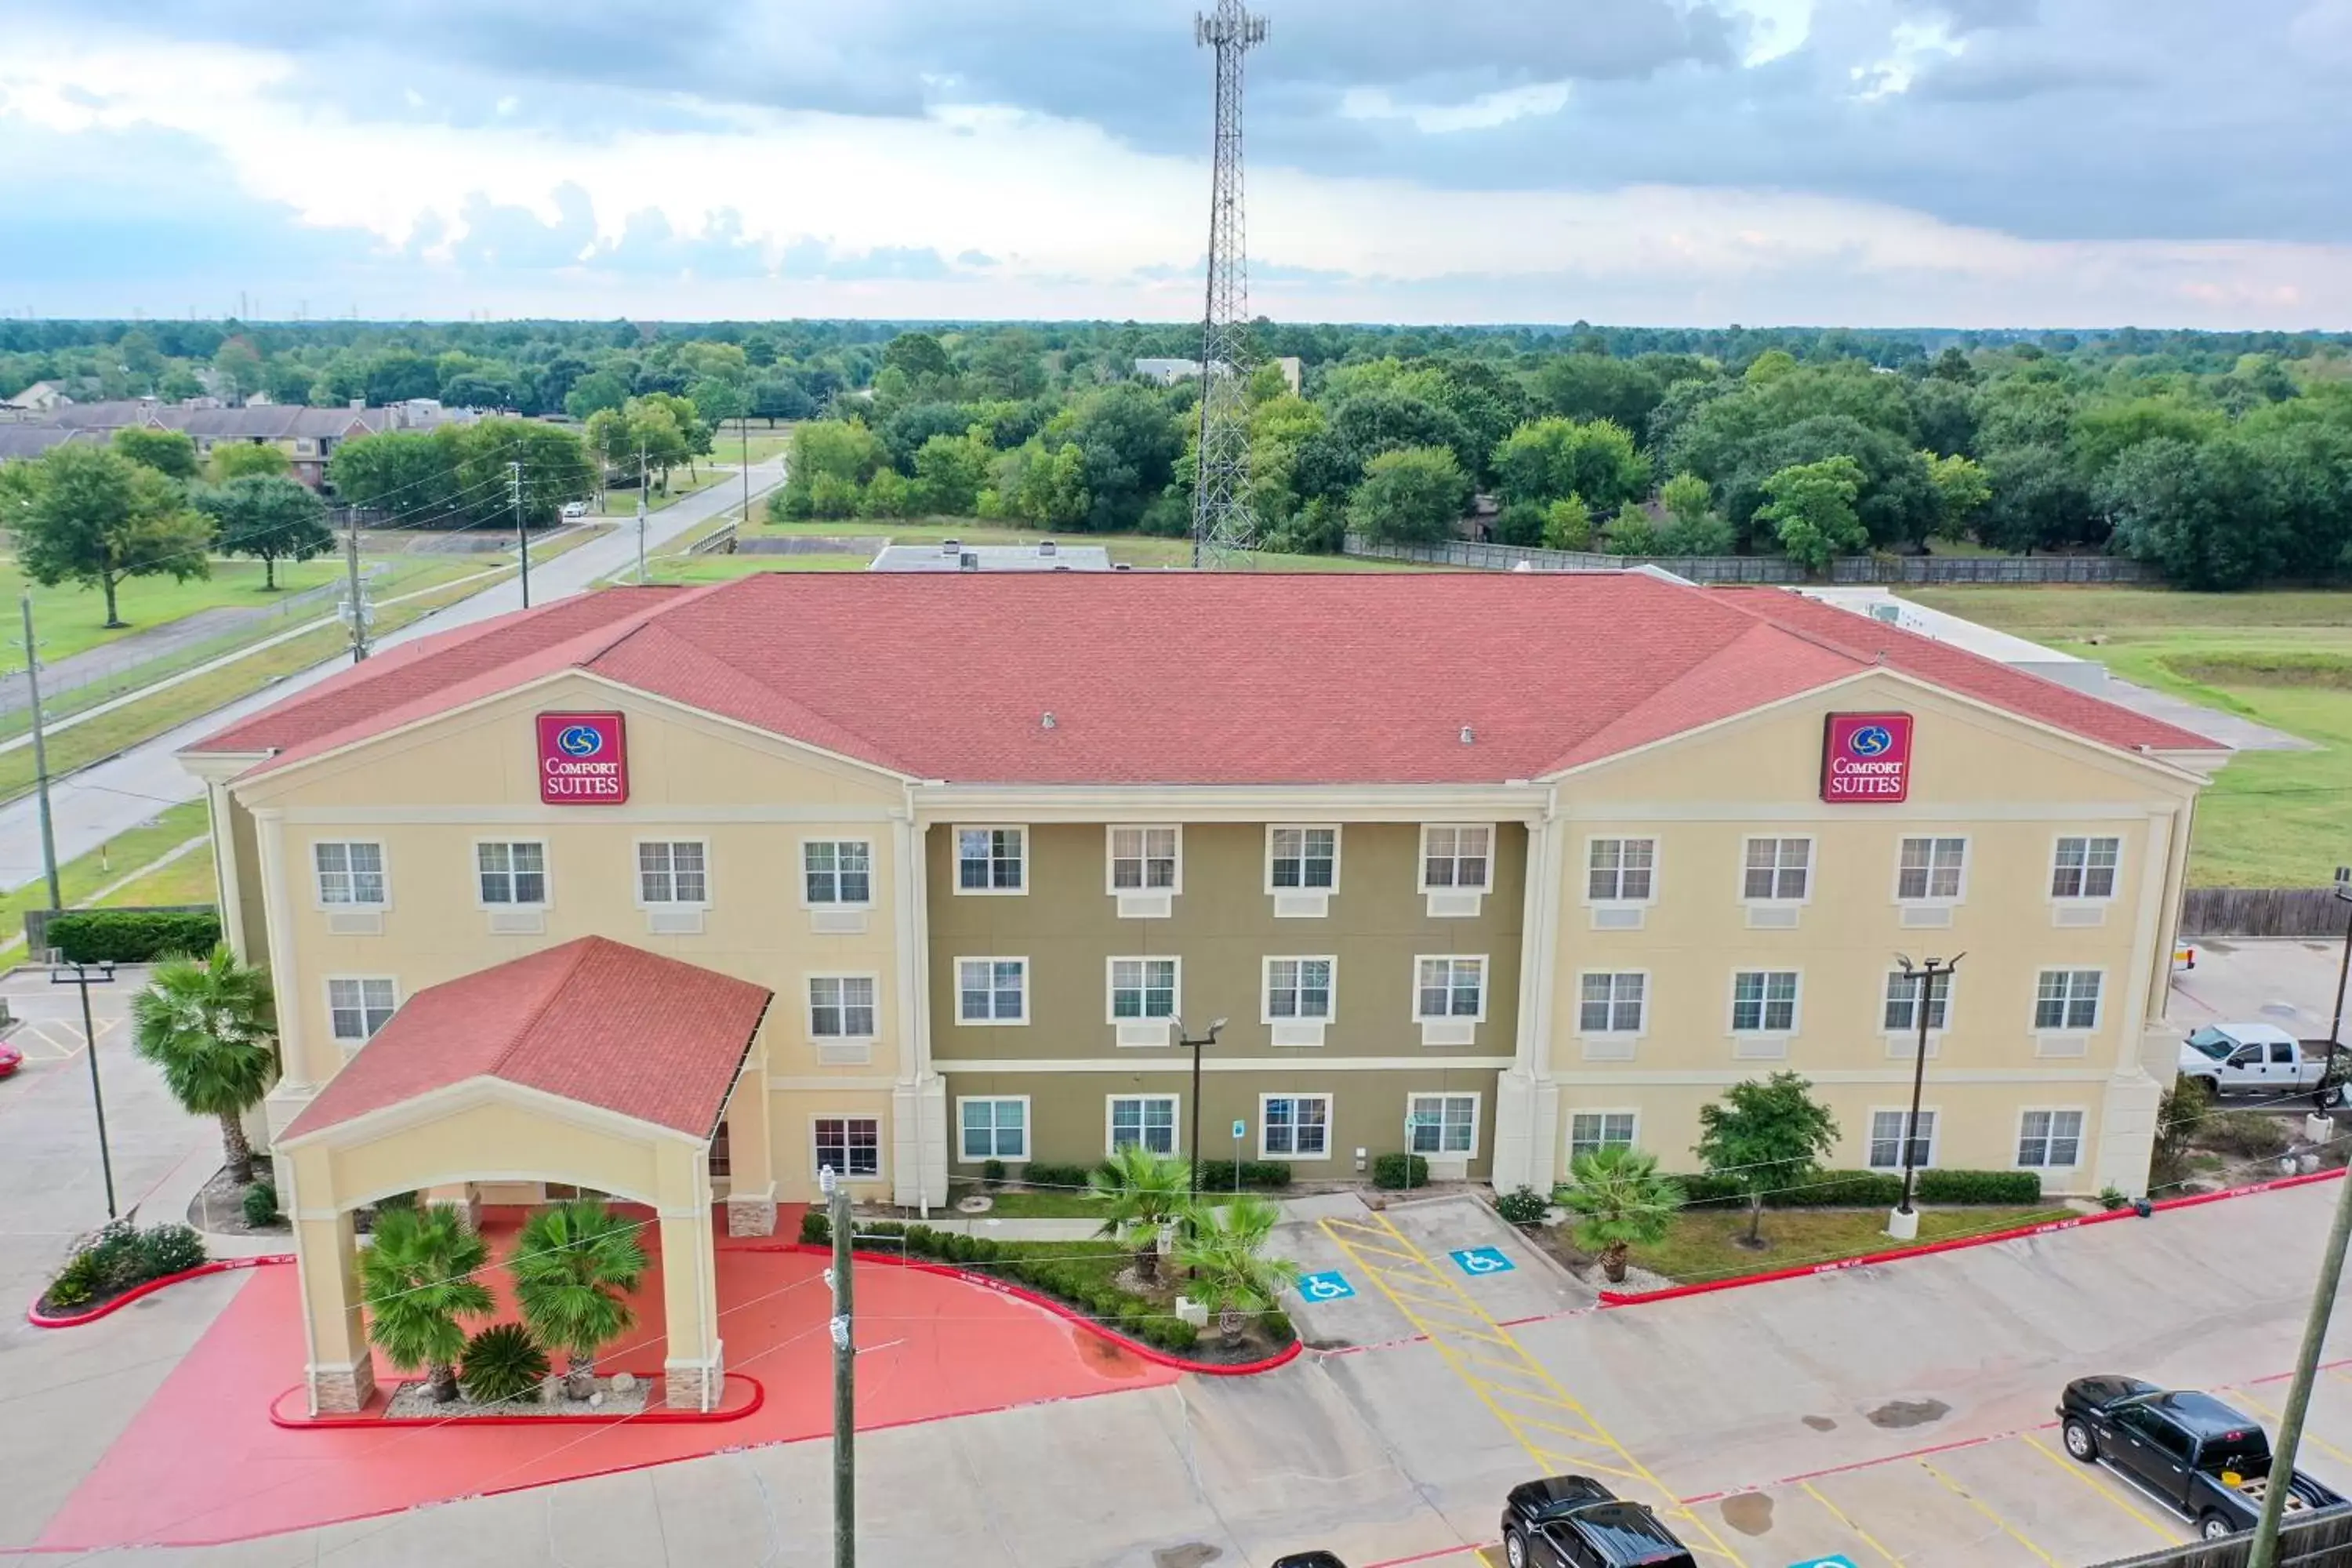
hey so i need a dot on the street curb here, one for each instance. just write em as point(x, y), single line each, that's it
point(34, 1316)
point(658, 1416)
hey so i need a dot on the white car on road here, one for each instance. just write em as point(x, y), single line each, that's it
point(2240, 1058)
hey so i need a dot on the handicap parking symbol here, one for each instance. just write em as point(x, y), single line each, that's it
point(1839, 1560)
point(1331, 1286)
point(1483, 1260)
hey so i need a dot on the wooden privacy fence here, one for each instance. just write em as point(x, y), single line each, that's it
point(2323, 1541)
point(2262, 911)
point(1767, 568)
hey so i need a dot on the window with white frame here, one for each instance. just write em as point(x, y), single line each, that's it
point(673, 871)
point(1619, 870)
point(1143, 1121)
point(994, 1129)
point(1306, 859)
point(2049, 1140)
point(1142, 988)
point(1590, 1132)
point(838, 871)
point(1778, 869)
point(849, 1145)
point(1444, 1123)
point(2067, 999)
point(1298, 988)
point(991, 990)
point(1886, 1140)
point(1457, 857)
point(2085, 867)
point(1450, 986)
point(1902, 1001)
point(1612, 1003)
point(1764, 1000)
point(356, 1009)
point(512, 873)
point(1296, 1126)
point(1928, 869)
point(991, 859)
point(841, 1006)
point(351, 871)
point(1143, 859)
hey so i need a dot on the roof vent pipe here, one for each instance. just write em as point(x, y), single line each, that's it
point(1467, 737)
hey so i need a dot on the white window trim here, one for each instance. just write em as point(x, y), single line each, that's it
point(1175, 1121)
point(1330, 1141)
point(1110, 839)
point(962, 959)
point(327, 992)
point(1933, 901)
point(1795, 1007)
point(881, 1143)
point(1657, 869)
point(800, 864)
point(2081, 1136)
point(1265, 987)
point(636, 872)
point(1578, 1003)
point(318, 899)
point(1485, 986)
point(1421, 859)
point(808, 1005)
point(1477, 1119)
point(547, 859)
point(1028, 1129)
point(1570, 1113)
point(1110, 998)
point(1951, 1002)
point(1934, 1114)
point(1338, 838)
point(1812, 869)
point(955, 860)
point(2067, 1031)
point(2079, 900)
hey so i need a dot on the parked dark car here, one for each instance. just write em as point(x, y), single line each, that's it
point(2210, 1462)
point(1574, 1521)
point(1309, 1560)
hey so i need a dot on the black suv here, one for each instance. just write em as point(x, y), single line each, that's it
point(2203, 1459)
point(1574, 1521)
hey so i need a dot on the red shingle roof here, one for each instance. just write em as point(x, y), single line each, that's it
point(1172, 677)
point(593, 1021)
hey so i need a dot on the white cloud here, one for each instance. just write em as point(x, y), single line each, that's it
point(1483, 112)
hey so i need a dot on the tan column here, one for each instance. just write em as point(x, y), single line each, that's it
point(695, 1371)
point(225, 869)
point(752, 1155)
point(277, 908)
point(341, 1375)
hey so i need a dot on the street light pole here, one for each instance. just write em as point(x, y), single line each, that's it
point(2344, 970)
point(1196, 1043)
point(1904, 1222)
point(79, 974)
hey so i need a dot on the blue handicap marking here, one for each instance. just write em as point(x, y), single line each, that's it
point(1838, 1559)
point(1483, 1260)
point(1331, 1286)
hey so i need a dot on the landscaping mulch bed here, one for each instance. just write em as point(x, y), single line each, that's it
point(413, 1401)
point(219, 1209)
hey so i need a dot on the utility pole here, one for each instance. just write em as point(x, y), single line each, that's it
point(845, 1375)
point(1904, 1222)
point(522, 530)
point(41, 760)
point(744, 424)
point(641, 517)
point(355, 608)
point(2306, 1371)
point(79, 974)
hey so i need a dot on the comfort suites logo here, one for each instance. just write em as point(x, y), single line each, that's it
point(1866, 758)
point(583, 760)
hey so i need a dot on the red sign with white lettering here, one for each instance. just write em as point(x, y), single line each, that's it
point(1867, 759)
point(583, 760)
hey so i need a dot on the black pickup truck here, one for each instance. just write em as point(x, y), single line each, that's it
point(2205, 1460)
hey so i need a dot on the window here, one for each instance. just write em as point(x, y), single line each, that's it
point(1612, 1004)
point(838, 871)
point(991, 990)
point(1305, 858)
point(1450, 988)
point(995, 1129)
point(1590, 1132)
point(1299, 1125)
point(1444, 1123)
point(1298, 988)
point(1621, 870)
point(512, 873)
point(849, 1145)
point(991, 859)
point(1143, 859)
point(1886, 1140)
point(1778, 868)
point(1764, 1000)
point(1930, 868)
point(672, 872)
point(358, 1008)
point(1145, 1120)
point(841, 1006)
point(1456, 857)
point(2049, 1140)
point(1142, 988)
point(2085, 869)
point(2067, 999)
point(1903, 1002)
point(350, 872)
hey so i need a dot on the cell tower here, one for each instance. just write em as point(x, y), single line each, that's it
point(1221, 520)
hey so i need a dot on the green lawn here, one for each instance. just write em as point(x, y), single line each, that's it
point(1013, 1205)
point(70, 620)
point(1704, 1242)
point(186, 880)
point(80, 878)
point(727, 443)
point(2281, 658)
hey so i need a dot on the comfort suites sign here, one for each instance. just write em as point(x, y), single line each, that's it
point(1867, 759)
point(583, 760)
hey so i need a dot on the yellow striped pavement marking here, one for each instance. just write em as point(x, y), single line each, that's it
point(1975, 1502)
point(2085, 1474)
point(2314, 1438)
point(1840, 1514)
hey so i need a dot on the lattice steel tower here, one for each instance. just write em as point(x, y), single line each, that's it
point(1220, 518)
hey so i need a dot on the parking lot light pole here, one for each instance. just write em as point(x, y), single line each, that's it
point(2344, 970)
point(2306, 1372)
point(79, 974)
point(1904, 1222)
point(1196, 1044)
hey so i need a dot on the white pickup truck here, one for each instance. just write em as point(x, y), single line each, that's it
point(2244, 1059)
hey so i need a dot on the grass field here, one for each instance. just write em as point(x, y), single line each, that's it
point(2271, 819)
point(80, 878)
point(1141, 551)
point(186, 880)
point(1705, 1243)
point(72, 620)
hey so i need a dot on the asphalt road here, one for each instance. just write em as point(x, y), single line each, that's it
point(103, 801)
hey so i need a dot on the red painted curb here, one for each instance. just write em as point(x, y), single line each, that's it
point(1282, 1357)
point(658, 1416)
point(34, 1316)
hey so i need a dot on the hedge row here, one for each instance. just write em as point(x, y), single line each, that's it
point(1216, 1175)
point(120, 1256)
point(131, 936)
point(1873, 1189)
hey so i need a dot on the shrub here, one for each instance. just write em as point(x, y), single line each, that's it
point(260, 1205)
point(1979, 1187)
point(992, 1172)
point(114, 1255)
point(502, 1362)
point(1219, 1176)
point(2248, 1134)
point(119, 1255)
point(168, 1249)
point(78, 1283)
point(132, 936)
point(1172, 1334)
point(815, 1229)
point(1276, 1324)
point(1524, 1206)
point(1872, 1189)
point(2111, 1197)
point(1043, 1178)
point(1400, 1171)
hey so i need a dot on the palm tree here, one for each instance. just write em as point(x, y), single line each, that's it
point(418, 1277)
point(1620, 1201)
point(208, 1024)
point(1224, 1249)
point(1147, 1192)
point(573, 1269)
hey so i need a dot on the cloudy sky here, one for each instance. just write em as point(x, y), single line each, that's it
point(1967, 162)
